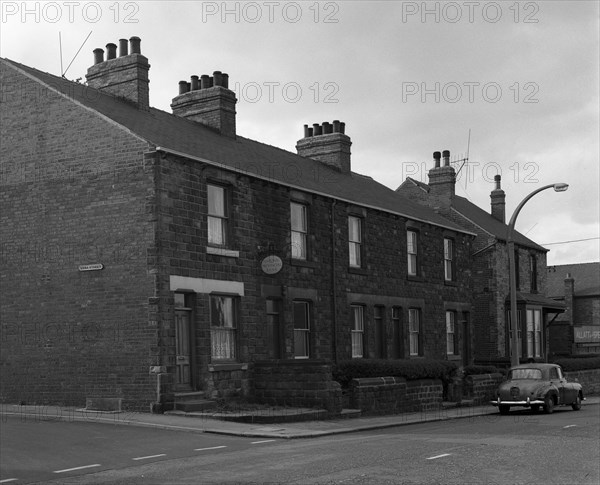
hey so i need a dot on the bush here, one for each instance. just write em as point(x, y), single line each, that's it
point(578, 363)
point(347, 370)
point(472, 370)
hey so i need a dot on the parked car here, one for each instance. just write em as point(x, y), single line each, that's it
point(537, 385)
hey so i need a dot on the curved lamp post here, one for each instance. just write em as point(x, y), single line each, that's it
point(514, 360)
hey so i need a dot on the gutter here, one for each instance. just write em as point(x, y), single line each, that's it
point(304, 189)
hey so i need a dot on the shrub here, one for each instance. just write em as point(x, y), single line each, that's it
point(472, 370)
point(578, 363)
point(347, 370)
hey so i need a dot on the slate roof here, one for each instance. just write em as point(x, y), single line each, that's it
point(586, 276)
point(490, 224)
point(186, 138)
point(482, 218)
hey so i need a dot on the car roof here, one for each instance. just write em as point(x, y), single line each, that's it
point(534, 365)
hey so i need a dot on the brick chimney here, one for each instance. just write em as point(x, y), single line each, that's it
point(442, 180)
point(125, 76)
point(498, 201)
point(327, 143)
point(207, 100)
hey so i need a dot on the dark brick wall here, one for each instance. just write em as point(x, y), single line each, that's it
point(74, 192)
point(589, 380)
point(390, 395)
point(296, 383)
point(482, 388)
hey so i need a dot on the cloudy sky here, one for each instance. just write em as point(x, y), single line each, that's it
point(519, 79)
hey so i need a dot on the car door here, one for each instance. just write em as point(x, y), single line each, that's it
point(557, 381)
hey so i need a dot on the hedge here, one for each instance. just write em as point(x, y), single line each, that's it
point(347, 370)
point(578, 363)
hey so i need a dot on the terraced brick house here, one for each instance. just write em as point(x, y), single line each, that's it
point(155, 259)
point(491, 314)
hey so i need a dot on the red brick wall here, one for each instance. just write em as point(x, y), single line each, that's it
point(74, 190)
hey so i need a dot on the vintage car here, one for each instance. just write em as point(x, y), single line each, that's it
point(536, 385)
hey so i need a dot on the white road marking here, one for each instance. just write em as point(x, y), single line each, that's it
point(263, 441)
point(148, 457)
point(570, 426)
point(438, 456)
point(211, 448)
point(6, 480)
point(76, 468)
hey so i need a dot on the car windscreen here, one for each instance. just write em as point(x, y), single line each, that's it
point(525, 374)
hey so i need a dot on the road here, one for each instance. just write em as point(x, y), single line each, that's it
point(521, 448)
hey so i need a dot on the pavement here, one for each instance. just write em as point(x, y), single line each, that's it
point(204, 423)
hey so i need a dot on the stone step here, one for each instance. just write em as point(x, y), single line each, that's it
point(194, 405)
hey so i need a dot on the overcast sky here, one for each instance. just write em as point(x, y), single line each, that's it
point(407, 78)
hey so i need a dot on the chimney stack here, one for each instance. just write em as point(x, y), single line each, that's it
point(327, 143)
point(442, 181)
point(207, 100)
point(498, 201)
point(125, 76)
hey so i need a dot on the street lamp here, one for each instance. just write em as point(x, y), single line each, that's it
point(514, 359)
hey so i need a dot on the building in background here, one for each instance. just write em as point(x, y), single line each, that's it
point(491, 314)
point(577, 330)
point(154, 258)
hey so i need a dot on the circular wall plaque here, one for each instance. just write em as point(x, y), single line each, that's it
point(271, 264)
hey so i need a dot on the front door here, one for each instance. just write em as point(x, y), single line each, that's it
point(183, 357)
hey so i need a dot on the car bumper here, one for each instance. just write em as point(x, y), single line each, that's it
point(527, 403)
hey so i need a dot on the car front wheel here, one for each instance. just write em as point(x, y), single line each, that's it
point(548, 405)
point(503, 408)
point(577, 404)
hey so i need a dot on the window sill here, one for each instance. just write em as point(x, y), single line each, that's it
point(354, 270)
point(414, 278)
point(229, 253)
point(453, 357)
point(226, 367)
point(450, 283)
point(304, 263)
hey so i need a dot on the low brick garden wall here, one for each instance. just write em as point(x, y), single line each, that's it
point(589, 379)
point(482, 388)
point(391, 395)
point(296, 383)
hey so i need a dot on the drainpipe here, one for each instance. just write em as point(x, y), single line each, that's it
point(333, 287)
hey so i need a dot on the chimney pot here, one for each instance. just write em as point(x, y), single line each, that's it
point(195, 83)
point(336, 126)
point(123, 45)
point(436, 158)
point(217, 78)
point(98, 55)
point(327, 128)
point(497, 179)
point(305, 131)
point(316, 129)
point(183, 87)
point(310, 132)
point(226, 80)
point(446, 155)
point(204, 81)
point(134, 42)
point(111, 51)
point(342, 128)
